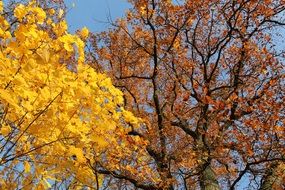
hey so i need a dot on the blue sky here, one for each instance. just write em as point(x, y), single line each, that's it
point(93, 13)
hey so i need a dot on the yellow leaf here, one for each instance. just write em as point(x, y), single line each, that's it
point(84, 33)
point(20, 11)
point(19, 80)
point(41, 15)
point(1, 6)
point(68, 47)
point(51, 11)
point(27, 167)
point(100, 140)
point(6, 97)
point(77, 152)
point(5, 130)
point(44, 54)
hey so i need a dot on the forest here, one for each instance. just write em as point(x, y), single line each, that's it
point(174, 95)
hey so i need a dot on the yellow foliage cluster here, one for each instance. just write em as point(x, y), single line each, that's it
point(57, 116)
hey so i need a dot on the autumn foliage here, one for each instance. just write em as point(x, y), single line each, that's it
point(197, 100)
point(58, 116)
point(207, 77)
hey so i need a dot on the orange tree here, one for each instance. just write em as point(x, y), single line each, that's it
point(207, 77)
point(58, 116)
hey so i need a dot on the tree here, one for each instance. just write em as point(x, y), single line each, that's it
point(58, 116)
point(207, 78)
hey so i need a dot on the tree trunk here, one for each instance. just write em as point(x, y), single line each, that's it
point(208, 179)
point(273, 177)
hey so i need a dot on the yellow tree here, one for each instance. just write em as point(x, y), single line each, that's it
point(58, 116)
point(207, 77)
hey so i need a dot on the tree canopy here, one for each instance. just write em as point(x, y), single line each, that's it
point(58, 116)
point(208, 79)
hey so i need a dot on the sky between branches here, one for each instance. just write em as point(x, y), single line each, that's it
point(94, 14)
